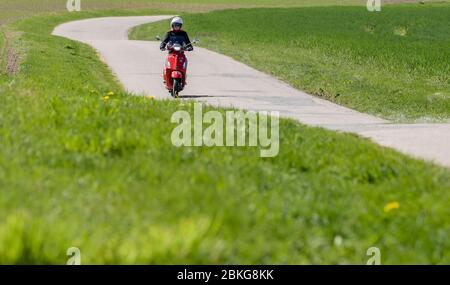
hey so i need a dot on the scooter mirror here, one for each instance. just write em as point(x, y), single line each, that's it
point(158, 37)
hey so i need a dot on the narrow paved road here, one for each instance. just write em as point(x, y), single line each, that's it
point(221, 81)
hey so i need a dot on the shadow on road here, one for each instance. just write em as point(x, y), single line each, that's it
point(198, 96)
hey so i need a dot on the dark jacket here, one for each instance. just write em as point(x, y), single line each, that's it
point(180, 37)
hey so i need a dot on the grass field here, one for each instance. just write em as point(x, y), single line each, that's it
point(76, 170)
point(13, 9)
point(394, 64)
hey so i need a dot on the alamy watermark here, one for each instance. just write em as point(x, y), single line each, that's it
point(375, 256)
point(74, 255)
point(262, 131)
point(73, 5)
point(374, 5)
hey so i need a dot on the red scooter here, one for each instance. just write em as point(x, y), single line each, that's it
point(174, 72)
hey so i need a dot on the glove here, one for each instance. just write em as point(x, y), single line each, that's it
point(162, 48)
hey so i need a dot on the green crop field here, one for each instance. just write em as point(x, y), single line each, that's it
point(394, 64)
point(13, 9)
point(102, 175)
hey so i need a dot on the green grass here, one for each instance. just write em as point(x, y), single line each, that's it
point(394, 64)
point(2, 51)
point(103, 176)
point(13, 9)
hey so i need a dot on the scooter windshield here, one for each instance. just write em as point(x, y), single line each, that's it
point(177, 40)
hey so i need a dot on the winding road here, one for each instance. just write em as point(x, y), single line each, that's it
point(221, 81)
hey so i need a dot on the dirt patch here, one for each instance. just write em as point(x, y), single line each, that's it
point(9, 55)
point(12, 62)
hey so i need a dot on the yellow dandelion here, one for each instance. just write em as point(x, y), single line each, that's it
point(106, 98)
point(391, 206)
point(110, 93)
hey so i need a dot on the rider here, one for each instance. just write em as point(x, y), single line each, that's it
point(177, 35)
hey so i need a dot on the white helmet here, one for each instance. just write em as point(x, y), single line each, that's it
point(176, 20)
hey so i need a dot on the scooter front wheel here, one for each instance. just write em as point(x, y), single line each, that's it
point(175, 88)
